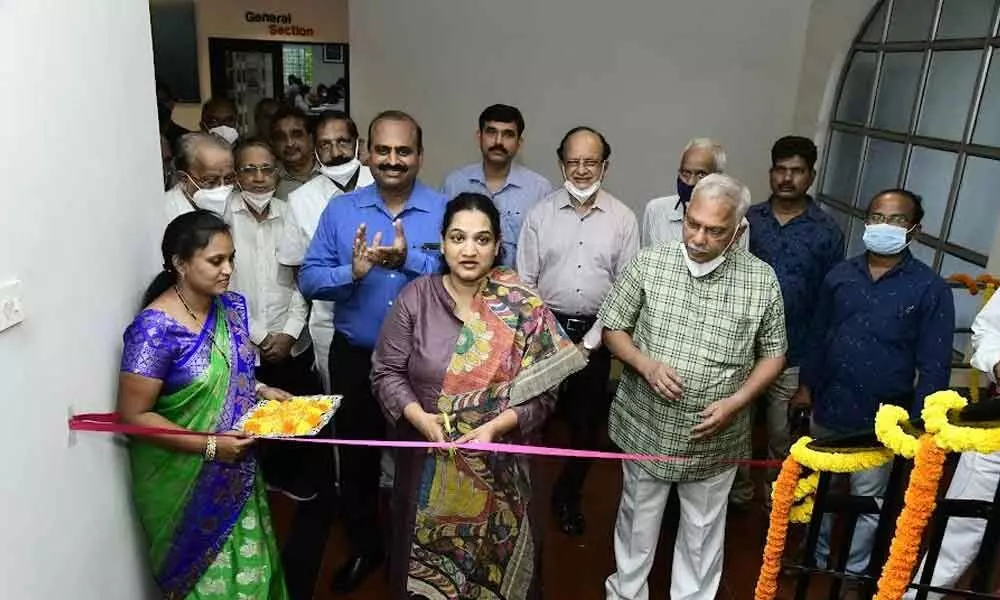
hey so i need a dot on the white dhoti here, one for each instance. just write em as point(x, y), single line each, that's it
point(701, 535)
point(321, 331)
point(976, 478)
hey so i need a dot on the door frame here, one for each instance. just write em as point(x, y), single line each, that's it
point(217, 47)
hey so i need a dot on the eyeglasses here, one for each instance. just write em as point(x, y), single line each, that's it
point(878, 219)
point(586, 163)
point(251, 170)
point(214, 182)
point(692, 175)
point(341, 144)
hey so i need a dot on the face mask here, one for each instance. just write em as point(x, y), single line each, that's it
point(885, 239)
point(343, 172)
point(684, 191)
point(213, 199)
point(225, 132)
point(698, 269)
point(582, 195)
point(258, 201)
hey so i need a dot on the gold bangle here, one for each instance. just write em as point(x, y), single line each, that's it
point(210, 447)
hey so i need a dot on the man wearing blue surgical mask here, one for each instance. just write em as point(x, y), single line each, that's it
point(204, 175)
point(663, 218)
point(883, 320)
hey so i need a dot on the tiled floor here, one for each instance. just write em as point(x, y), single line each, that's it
point(575, 568)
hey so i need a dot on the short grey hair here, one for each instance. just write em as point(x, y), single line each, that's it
point(720, 186)
point(190, 144)
point(718, 152)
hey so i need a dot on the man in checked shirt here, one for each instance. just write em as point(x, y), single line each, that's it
point(700, 326)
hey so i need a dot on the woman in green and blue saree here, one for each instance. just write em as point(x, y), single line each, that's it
point(188, 363)
point(468, 356)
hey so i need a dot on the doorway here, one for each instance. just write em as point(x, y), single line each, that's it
point(313, 77)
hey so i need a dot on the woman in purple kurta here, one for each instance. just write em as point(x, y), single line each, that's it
point(470, 355)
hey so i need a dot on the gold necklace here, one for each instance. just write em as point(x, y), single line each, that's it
point(211, 334)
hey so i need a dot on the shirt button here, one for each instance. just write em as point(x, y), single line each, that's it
point(578, 292)
point(579, 266)
point(581, 243)
point(392, 276)
point(390, 302)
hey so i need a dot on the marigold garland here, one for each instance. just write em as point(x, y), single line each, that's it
point(781, 505)
point(835, 461)
point(803, 512)
point(890, 432)
point(920, 499)
point(956, 438)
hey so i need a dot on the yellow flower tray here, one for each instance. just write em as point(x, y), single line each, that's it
point(295, 417)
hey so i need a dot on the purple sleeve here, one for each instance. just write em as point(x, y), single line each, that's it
point(149, 349)
point(390, 378)
point(532, 414)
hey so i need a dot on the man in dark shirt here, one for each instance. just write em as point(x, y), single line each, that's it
point(802, 243)
point(882, 320)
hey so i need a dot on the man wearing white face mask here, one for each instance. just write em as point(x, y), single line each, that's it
point(573, 245)
point(883, 319)
point(700, 327)
point(336, 141)
point(277, 310)
point(218, 117)
point(205, 176)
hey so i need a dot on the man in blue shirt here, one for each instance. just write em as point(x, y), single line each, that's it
point(348, 263)
point(513, 188)
point(883, 319)
point(802, 243)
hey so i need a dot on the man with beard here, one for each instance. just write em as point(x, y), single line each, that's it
point(294, 146)
point(336, 141)
point(348, 263)
point(513, 188)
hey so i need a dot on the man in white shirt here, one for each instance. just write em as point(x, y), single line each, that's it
point(663, 219)
point(514, 189)
point(336, 140)
point(976, 476)
point(205, 176)
point(277, 314)
point(572, 247)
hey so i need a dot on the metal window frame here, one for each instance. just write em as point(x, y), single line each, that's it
point(963, 148)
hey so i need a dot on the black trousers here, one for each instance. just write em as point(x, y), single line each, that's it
point(584, 401)
point(359, 417)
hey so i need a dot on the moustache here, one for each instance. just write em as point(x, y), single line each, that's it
point(398, 169)
point(338, 160)
point(499, 149)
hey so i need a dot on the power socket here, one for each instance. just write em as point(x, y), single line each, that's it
point(11, 304)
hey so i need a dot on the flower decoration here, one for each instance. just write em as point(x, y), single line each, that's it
point(297, 416)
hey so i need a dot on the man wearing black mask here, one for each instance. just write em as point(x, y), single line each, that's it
point(663, 219)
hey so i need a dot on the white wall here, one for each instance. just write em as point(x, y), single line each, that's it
point(650, 75)
point(82, 188)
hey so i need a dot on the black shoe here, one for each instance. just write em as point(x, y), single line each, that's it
point(571, 521)
point(354, 572)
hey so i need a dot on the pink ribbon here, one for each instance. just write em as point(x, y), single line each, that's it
point(111, 423)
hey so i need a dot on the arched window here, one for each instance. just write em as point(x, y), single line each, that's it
point(919, 107)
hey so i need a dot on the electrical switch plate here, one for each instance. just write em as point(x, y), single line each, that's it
point(11, 304)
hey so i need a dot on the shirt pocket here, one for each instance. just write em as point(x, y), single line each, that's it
point(726, 339)
point(902, 323)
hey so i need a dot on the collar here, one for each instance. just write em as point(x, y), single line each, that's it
point(515, 177)
point(905, 265)
point(239, 205)
point(812, 213)
point(675, 208)
point(284, 174)
point(420, 198)
point(564, 200)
